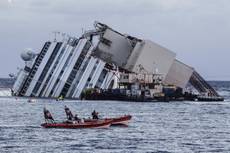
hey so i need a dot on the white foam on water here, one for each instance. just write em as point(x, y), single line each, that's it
point(5, 92)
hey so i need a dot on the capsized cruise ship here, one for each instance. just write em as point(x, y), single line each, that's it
point(66, 68)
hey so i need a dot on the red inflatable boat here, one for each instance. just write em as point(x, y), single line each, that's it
point(122, 120)
point(76, 125)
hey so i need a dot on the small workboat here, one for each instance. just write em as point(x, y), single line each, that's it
point(31, 100)
point(79, 125)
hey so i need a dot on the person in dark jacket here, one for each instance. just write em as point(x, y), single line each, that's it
point(76, 118)
point(69, 114)
point(48, 116)
point(95, 115)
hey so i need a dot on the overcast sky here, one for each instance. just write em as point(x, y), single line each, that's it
point(198, 31)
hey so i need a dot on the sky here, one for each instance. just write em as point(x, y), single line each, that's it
point(198, 31)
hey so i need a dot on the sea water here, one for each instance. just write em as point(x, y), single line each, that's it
point(174, 127)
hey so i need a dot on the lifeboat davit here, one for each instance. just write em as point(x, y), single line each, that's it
point(78, 125)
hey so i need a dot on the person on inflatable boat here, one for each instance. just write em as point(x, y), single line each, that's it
point(95, 115)
point(48, 116)
point(69, 114)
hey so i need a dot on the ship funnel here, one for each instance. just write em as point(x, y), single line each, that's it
point(28, 55)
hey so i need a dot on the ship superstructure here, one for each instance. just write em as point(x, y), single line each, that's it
point(68, 67)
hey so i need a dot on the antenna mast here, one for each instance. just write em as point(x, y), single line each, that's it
point(55, 35)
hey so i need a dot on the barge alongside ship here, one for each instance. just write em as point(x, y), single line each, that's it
point(99, 59)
